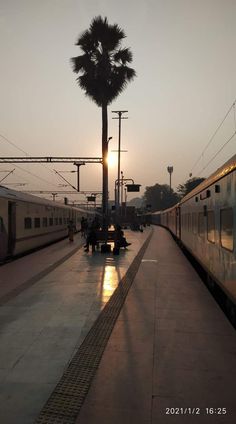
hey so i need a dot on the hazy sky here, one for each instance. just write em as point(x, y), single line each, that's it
point(184, 56)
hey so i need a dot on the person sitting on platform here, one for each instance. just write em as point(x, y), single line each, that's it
point(120, 240)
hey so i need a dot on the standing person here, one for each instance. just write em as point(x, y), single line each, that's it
point(71, 230)
point(96, 224)
point(91, 237)
point(83, 226)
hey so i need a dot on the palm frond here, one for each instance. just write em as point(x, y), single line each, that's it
point(109, 36)
point(81, 63)
point(130, 73)
point(123, 55)
point(86, 42)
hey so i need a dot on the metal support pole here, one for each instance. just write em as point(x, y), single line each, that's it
point(118, 176)
point(119, 112)
point(78, 164)
point(78, 167)
point(116, 197)
point(125, 199)
point(122, 182)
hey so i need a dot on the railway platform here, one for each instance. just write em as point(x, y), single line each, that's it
point(130, 339)
point(49, 300)
point(171, 357)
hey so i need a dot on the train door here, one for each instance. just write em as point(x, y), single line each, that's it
point(3, 239)
point(11, 227)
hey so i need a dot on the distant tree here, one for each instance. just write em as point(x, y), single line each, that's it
point(136, 201)
point(103, 75)
point(189, 185)
point(160, 197)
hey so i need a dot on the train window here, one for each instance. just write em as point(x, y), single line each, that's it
point(211, 226)
point(56, 221)
point(28, 223)
point(201, 224)
point(45, 222)
point(64, 220)
point(60, 221)
point(1, 224)
point(50, 221)
point(36, 222)
point(226, 228)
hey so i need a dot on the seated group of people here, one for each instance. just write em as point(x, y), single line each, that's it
point(91, 240)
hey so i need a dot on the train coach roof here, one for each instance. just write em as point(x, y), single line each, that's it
point(25, 197)
point(221, 172)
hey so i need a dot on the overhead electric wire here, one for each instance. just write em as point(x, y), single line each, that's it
point(216, 154)
point(34, 175)
point(10, 172)
point(27, 154)
point(65, 179)
point(234, 118)
point(216, 131)
point(13, 144)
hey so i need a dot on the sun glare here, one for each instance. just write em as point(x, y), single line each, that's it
point(111, 160)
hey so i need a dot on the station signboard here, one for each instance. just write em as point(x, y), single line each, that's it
point(133, 187)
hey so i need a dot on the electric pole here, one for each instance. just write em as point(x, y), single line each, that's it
point(119, 113)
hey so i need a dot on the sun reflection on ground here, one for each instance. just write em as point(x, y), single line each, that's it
point(110, 281)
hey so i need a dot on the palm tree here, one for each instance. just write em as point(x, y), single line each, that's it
point(103, 75)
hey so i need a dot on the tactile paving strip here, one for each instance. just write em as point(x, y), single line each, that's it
point(65, 402)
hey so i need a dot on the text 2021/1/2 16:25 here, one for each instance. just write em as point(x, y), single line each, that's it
point(196, 411)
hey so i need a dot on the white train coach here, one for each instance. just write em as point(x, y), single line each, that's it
point(204, 221)
point(28, 222)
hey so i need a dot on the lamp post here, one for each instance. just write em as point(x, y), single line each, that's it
point(170, 170)
point(119, 112)
point(122, 182)
point(125, 199)
point(107, 195)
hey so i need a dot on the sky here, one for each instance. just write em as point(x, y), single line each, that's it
point(184, 57)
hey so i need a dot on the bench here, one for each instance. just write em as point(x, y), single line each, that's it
point(105, 235)
point(109, 236)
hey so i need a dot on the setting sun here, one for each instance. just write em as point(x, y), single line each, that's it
point(112, 160)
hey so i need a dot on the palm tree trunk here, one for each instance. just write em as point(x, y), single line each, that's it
point(104, 167)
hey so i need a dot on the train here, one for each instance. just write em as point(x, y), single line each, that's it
point(28, 222)
point(204, 223)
